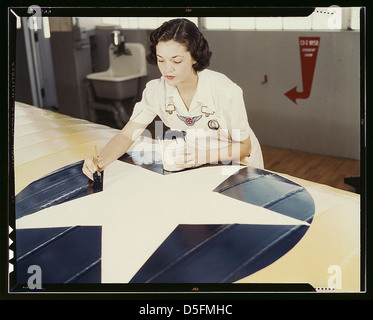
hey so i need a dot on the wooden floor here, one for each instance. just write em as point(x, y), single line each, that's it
point(313, 167)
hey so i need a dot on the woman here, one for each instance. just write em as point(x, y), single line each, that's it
point(206, 105)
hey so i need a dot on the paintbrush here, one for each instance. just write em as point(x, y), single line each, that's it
point(97, 177)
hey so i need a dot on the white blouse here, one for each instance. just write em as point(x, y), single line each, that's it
point(217, 114)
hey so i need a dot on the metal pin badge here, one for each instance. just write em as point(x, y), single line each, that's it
point(213, 125)
point(207, 111)
point(170, 106)
point(189, 121)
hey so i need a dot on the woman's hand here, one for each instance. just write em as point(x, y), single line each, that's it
point(178, 156)
point(90, 166)
point(114, 149)
point(190, 157)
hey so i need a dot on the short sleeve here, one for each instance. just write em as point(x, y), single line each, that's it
point(238, 125)
point(145, 110)
point(235, 113)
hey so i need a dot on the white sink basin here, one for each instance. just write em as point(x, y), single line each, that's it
point(121, 80)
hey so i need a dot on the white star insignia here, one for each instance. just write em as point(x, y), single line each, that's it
point(138, 209)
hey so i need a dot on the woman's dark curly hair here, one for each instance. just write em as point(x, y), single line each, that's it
point(185, 32)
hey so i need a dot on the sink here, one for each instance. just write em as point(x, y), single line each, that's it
point(121, 80)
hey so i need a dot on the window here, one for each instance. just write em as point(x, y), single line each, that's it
point(355, 18)
point(242, 23)
point(323, 18)
point(297, 23)
point(139, 22)
point(270, 23)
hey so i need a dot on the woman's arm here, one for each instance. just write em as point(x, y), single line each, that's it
point(114, 149)
point(194, 157)
point(233, 152)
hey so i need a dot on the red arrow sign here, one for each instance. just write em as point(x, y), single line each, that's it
point(309, 47)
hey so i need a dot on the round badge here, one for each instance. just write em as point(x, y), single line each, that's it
point(213, 125)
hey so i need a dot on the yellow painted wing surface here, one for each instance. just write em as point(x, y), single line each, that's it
point(327, 257)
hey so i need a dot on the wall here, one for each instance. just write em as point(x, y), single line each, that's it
point(328, 122)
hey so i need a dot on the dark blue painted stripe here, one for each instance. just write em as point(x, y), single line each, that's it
point(64, 184)
point(181, 242)
point(235, 252)
point(271, 191)
point(65, 255)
